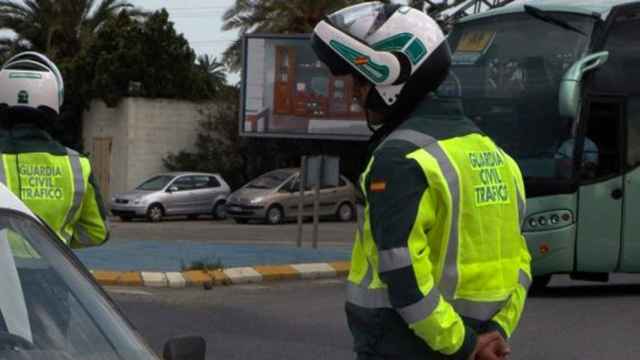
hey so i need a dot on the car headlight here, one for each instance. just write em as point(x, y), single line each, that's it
point(137, 201)
point(256, 200)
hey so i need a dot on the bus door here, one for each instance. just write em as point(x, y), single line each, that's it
point(600, 195)
point(621, 74)
point(609, 230)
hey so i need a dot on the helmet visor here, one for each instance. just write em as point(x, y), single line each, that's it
point(361, 20)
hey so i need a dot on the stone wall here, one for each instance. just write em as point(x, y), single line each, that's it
point(143, 132)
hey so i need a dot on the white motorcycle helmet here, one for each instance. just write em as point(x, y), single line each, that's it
point(401, 51)
point(31, 80)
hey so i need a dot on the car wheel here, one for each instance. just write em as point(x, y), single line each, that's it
point(539, 283)
point(345, 212)
point(125, 218)
point(275, 215)
point(241, 221)
point(155, 213)
point(219, 212)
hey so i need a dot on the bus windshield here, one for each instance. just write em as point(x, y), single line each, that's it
point(506, 74)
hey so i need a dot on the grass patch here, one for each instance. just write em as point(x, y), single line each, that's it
point(207, 264)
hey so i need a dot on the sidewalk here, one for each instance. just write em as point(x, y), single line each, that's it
point(166, 263)
point(149, 255)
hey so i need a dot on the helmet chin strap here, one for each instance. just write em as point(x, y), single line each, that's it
point(373, 126)
point(387, 115)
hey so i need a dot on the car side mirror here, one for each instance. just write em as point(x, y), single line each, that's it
point(570, 97)
point(185, 348)
point(172, 188)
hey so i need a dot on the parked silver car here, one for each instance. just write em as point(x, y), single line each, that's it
point(178, 193)
point(274, 197)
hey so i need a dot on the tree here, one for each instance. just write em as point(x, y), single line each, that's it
point(134, 57)
point(274, 16)
point(215, 70)
point(219, 147)
point(58, 28)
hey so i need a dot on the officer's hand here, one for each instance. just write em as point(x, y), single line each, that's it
point(496, 350)
point(490, 346)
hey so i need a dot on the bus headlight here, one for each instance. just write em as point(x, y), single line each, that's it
point(548, 220)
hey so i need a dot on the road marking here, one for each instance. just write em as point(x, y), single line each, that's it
point(128, 291)
point(252, 287)
point(328, 282)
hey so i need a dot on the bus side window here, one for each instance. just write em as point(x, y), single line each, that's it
point(617, 112)
point(633, 131)
point(602, 147)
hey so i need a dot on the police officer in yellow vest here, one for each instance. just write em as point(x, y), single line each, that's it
point(440, 269)
point(55, 182)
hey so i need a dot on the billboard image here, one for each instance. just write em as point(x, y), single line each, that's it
point(288, 92)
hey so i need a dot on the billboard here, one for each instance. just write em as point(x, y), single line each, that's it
point(288, 92)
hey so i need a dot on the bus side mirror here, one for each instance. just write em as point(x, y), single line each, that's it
point(571, 84)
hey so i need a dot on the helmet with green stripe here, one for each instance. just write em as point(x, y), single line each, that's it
point(400, 51)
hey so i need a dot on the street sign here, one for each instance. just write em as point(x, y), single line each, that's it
point(316, 172)
point(323, 171)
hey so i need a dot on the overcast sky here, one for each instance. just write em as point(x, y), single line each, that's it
point(199, 20)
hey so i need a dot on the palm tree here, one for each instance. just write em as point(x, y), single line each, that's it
point(274, 16)
point(58, 28)
point(215, 70)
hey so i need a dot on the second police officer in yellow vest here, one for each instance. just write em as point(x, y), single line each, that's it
point(55, 182)
point(439, 268)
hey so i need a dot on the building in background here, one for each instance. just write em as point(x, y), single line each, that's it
point(127, 143)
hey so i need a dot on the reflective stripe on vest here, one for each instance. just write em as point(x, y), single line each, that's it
point(393, 259)
point(360, 212)
point(524, 280)
point(449, 280)
point(3, 176)
point(78, 194)
point(522, 207)
point(362, 296)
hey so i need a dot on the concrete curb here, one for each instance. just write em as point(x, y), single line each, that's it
point(231, 276)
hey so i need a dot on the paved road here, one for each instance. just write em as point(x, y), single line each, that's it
point(227, 232)
point(304, 320)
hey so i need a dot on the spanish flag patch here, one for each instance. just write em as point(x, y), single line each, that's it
point(378, 186)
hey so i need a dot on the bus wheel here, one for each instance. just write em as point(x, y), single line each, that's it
point(539, 284)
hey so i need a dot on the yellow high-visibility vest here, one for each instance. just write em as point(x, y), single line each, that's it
point(464, 254)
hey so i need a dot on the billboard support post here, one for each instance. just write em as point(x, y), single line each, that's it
point(302, 182)
point(315, 172)
point(316, 214)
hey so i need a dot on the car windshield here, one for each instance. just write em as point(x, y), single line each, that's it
point(270, 180)
point(505, 77)
point(155, 183)
point(48, 308)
